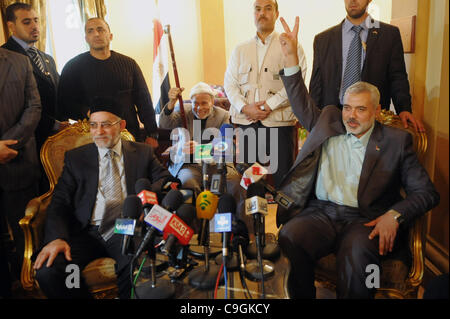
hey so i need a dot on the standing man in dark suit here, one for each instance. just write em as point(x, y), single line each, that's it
point(88, 197)
point(361, 49)
point(20, 110)
point(23, 22)
point(346, 181)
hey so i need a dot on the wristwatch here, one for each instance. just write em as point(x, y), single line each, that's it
point(398, 217)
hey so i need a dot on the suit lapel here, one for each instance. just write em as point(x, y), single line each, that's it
point(318, 136)
point(374, 149)
point(337, 44)
point(372, 38)
point(45, 61)
point(130, 161)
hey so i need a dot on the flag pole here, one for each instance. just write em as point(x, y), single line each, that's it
point(175, 71)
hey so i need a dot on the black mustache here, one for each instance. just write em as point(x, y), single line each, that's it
point(353, 121)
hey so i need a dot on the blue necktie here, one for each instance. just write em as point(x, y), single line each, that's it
point(352, 72)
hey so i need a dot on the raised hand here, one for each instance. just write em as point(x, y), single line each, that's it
point(173, 94)
point(289, 43)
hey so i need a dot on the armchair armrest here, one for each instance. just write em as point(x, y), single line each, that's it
point(32, 225)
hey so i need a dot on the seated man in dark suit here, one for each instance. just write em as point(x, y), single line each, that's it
point(88, 198)
point(346, 181)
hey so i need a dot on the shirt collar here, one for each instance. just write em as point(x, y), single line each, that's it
point(268, 39)
point(22, 43)
point(116, 148)
point(347, 26)
point(364, 140)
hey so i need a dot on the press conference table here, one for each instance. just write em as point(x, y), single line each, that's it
point(274, 286)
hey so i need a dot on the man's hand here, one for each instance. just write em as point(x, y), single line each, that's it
point(406, 116)
point(257, 111)
point(289, 43)
point(152, 142)
point(189, 147)
point(6, 153)
point(174, 93)
point(50, 251)
point(386, 227)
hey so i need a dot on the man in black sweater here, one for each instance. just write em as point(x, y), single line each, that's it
point(102, 72)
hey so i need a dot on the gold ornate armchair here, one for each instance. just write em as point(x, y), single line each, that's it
point(99, 274)
point(398, 280)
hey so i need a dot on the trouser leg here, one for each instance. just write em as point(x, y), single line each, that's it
point(12, 209)
point(122, 267)
point(355, 252)
point(52, 280)
point(303, 240)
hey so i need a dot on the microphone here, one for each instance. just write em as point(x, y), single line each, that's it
point(170, 183)
point(256, 205)
point(172, 200)
point(206, 206)
point(253, 174)
point(143, 190)
point(132, 209)
point(179, 228)
point(159, 216)
point(227, 204)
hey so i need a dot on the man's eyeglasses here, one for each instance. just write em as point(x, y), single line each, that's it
point(103, 125)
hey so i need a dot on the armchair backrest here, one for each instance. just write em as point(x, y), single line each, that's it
point(54, 148)
point(419, 138)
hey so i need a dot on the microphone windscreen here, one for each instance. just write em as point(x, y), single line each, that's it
point(256, 189)
point(142, 184)
point(206, 205)
point(132, 207)
point(186, 212)
point(227, 204)
point(172, 200)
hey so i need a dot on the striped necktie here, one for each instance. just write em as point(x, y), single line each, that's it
point(352, 72)
point(33, 53)
point(112, 191)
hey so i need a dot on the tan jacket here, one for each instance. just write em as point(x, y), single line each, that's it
point(243, 78)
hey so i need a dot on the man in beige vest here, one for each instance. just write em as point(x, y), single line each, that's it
point(259, 102)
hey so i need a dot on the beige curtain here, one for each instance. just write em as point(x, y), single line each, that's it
point(92, 9)
point(40, 7)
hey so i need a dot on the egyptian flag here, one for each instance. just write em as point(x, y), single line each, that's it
point(161, 85)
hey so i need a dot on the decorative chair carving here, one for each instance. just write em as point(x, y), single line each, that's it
point(398, 279)
point(99, 275)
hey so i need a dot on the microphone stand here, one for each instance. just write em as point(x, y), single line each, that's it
point(205, 279)
point(260, 269)
point(151, 289)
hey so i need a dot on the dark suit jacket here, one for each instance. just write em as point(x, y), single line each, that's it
point(390, 162)
point(76, 191)
point(384, 67)
point(47, 84)
point(20, 111)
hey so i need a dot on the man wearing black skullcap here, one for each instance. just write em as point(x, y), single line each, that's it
point(88, 198)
